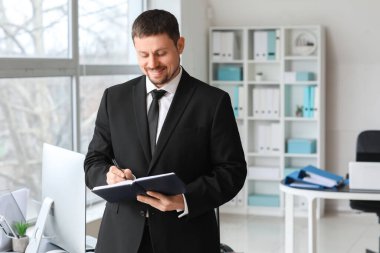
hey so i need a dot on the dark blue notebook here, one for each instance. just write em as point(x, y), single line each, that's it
point(168, 184)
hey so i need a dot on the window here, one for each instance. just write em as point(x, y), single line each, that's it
point(91, 90)
point(56, 59)
point(104, 32)
point(32, 110)
point(38, 29)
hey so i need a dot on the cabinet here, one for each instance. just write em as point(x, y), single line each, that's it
point(275, 78)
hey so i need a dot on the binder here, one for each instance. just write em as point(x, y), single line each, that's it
point(276, 141)
point(316, 102)
point(216, 46)
point(235, 101)
point(260, 45)
point(228, 46)
point(268, 102)
point(241, 104)
point(314, 178)
point(256, 102)
point(276, 103)
point(278, 44)
point(271, 45)
point(261, 138)
point(306, 102)
point(311, 101)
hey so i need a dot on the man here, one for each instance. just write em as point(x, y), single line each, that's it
point(196, 137)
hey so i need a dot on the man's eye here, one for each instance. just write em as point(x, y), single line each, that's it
point(143, 55)
point(161, 53)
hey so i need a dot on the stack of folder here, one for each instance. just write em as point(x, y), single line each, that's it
point(314, 178)
point(266, 45)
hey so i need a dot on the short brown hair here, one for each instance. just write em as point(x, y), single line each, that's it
point(154, 22)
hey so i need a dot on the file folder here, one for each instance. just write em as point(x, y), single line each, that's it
point(314, 178)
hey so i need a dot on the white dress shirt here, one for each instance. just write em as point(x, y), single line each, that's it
point(164, 105)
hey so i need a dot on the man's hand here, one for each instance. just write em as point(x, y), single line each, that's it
point(116, 175)
point(162, 202)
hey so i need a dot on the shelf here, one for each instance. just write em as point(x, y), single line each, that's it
point(253, 154)
point(301, 119)
point(267, 56)
point(264, 61)
point(262, 119)
point(226, 83)
point(273, 82)
point(301, 58)
point(264, 179)
point(301, 155)
point(228, 61)
point(302, 83)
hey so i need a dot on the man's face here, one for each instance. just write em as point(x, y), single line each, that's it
point(159, 57)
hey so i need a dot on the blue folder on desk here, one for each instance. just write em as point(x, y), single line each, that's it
point(313, 178)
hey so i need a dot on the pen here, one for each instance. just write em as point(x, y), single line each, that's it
point(117, 165)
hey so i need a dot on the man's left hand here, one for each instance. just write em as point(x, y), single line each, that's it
point(163, 202)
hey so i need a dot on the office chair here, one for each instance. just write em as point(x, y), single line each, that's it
point(368, 150)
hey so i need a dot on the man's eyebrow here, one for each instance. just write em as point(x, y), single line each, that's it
point(155, 51)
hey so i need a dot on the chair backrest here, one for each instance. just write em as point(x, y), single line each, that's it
point(368, 146)
point(368, 150)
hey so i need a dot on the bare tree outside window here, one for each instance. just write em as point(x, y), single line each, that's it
point(104, 32)
point(34, 110)
point(34, 28)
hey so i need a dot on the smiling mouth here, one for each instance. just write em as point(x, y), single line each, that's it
point(157, 71)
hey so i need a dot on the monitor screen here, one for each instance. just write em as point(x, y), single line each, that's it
point(63, 181)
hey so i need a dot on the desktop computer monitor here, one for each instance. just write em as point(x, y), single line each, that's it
point(63, 181)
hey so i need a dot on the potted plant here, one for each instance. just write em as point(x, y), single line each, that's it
point(20, 243)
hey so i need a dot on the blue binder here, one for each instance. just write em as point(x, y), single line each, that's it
point(271, 45)
point(235, 101)
point(312, 101)
point(314, 178)
point(306, 102)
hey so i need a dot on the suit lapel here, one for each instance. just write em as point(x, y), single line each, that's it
point(139, 103)
point(181, 98)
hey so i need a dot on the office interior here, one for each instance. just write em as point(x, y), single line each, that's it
point(351, 102)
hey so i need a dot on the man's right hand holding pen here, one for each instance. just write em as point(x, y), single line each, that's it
point(115, 174)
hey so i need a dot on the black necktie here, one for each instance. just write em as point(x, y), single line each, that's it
point(153, 117)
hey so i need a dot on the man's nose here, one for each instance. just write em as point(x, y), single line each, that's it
point(152, 62)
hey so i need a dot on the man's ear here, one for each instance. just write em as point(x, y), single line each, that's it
point(181, 44)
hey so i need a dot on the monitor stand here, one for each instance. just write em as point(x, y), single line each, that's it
point(36, 237)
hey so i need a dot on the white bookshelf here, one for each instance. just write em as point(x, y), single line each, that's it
point(299, 50)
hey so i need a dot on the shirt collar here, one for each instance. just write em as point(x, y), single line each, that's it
point(170, 87)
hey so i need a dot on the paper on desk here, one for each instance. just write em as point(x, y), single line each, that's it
point(306, 186)
point(319, 180)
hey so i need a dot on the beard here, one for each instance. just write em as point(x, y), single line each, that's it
point(163, 79)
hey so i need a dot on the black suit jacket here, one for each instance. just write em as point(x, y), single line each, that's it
point(199, 141)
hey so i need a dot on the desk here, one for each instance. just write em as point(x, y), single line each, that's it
point(312, 196)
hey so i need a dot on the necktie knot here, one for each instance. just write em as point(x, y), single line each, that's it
point(158, 94)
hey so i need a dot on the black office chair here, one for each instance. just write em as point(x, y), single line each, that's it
point(368, 150)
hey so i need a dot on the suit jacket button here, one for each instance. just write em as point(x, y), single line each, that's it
point(142, 213)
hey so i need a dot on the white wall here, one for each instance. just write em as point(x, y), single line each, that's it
point(194, 23)
point(352, 62)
